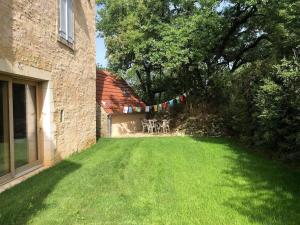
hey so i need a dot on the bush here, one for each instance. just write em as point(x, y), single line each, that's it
point(263, 106)
point(278, 108)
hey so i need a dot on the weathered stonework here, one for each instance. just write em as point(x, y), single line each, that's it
point(103, 123)
point(124, 124)
point(118, 125)
point(29, 47)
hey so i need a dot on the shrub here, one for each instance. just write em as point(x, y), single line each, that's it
point(263, 105)
point(277, 104)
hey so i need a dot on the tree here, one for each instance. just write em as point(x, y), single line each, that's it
point(157, 39)
point(224, 50)
point(132, 31)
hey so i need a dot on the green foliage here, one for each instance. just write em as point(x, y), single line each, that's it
point(278, 107)
point(229, 53)
point(264, 109)
point(101, 67)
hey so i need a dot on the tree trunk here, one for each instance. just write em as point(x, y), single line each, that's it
point(149, 91)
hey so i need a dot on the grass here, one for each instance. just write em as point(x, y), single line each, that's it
point(21, 152)
point(21, 155)
point(174, 180)
point(4, 164)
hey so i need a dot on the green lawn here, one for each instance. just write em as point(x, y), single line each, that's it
point(21, 156)
point(175, 181)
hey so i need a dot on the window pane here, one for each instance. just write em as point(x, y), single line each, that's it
point(25, 141)
point(70, 21)
point(4, 132)
point(63, 19)
point(31, 122)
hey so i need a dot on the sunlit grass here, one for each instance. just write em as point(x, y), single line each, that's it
point(173, 180)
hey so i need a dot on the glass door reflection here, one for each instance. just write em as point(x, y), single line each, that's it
point(4, 131)
point(24, 118)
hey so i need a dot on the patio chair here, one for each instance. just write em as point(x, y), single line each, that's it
point(158, 126)
point(165, 126)
point(144, 123)
point(151, 126)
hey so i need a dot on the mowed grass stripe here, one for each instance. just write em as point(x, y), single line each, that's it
point(170, 180)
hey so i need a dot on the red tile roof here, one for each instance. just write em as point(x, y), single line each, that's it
point(113, 93)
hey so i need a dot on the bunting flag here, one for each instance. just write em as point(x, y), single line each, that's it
point(165, 105)
point(182, 98)
point(171, 102)
point(125, 109)
point(159, 107)
point(138, 109)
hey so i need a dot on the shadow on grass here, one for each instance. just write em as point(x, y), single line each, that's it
point(266, 192)
point(22, 202)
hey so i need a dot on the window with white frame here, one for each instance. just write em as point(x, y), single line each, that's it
point(66, 21)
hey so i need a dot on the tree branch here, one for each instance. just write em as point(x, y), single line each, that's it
point(238, 58)
point(143, 85)
point(238, 20)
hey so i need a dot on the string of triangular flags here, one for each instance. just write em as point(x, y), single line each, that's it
point(158, 107)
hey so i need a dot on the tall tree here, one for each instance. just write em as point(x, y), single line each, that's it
point(158, 41)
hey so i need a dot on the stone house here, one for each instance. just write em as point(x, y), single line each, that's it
point(113, 94)
point(47, 82)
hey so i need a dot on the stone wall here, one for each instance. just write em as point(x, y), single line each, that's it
point(123, 124)
point(102, 124)
point(29, 43)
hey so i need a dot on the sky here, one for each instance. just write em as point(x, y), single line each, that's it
point(100, 52)
point(100, 49)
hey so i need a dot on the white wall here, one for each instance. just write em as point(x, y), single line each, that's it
point(123, 124)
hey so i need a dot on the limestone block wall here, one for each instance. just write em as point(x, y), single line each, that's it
point(103, 123)
point(29, 45)
point(123, 124)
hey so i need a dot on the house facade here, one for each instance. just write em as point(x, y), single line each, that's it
point(47, 82)
point(113, 95)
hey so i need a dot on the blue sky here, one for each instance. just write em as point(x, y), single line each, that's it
point(100, 52)
point(100, 49)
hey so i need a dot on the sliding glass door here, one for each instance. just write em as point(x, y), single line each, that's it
point(18, 127)
point(4, 131)
point(24, 116)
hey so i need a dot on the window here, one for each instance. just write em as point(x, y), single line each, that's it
point(19, 116)
point(66, 22)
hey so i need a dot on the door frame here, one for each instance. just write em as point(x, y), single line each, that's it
point(17, 172)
